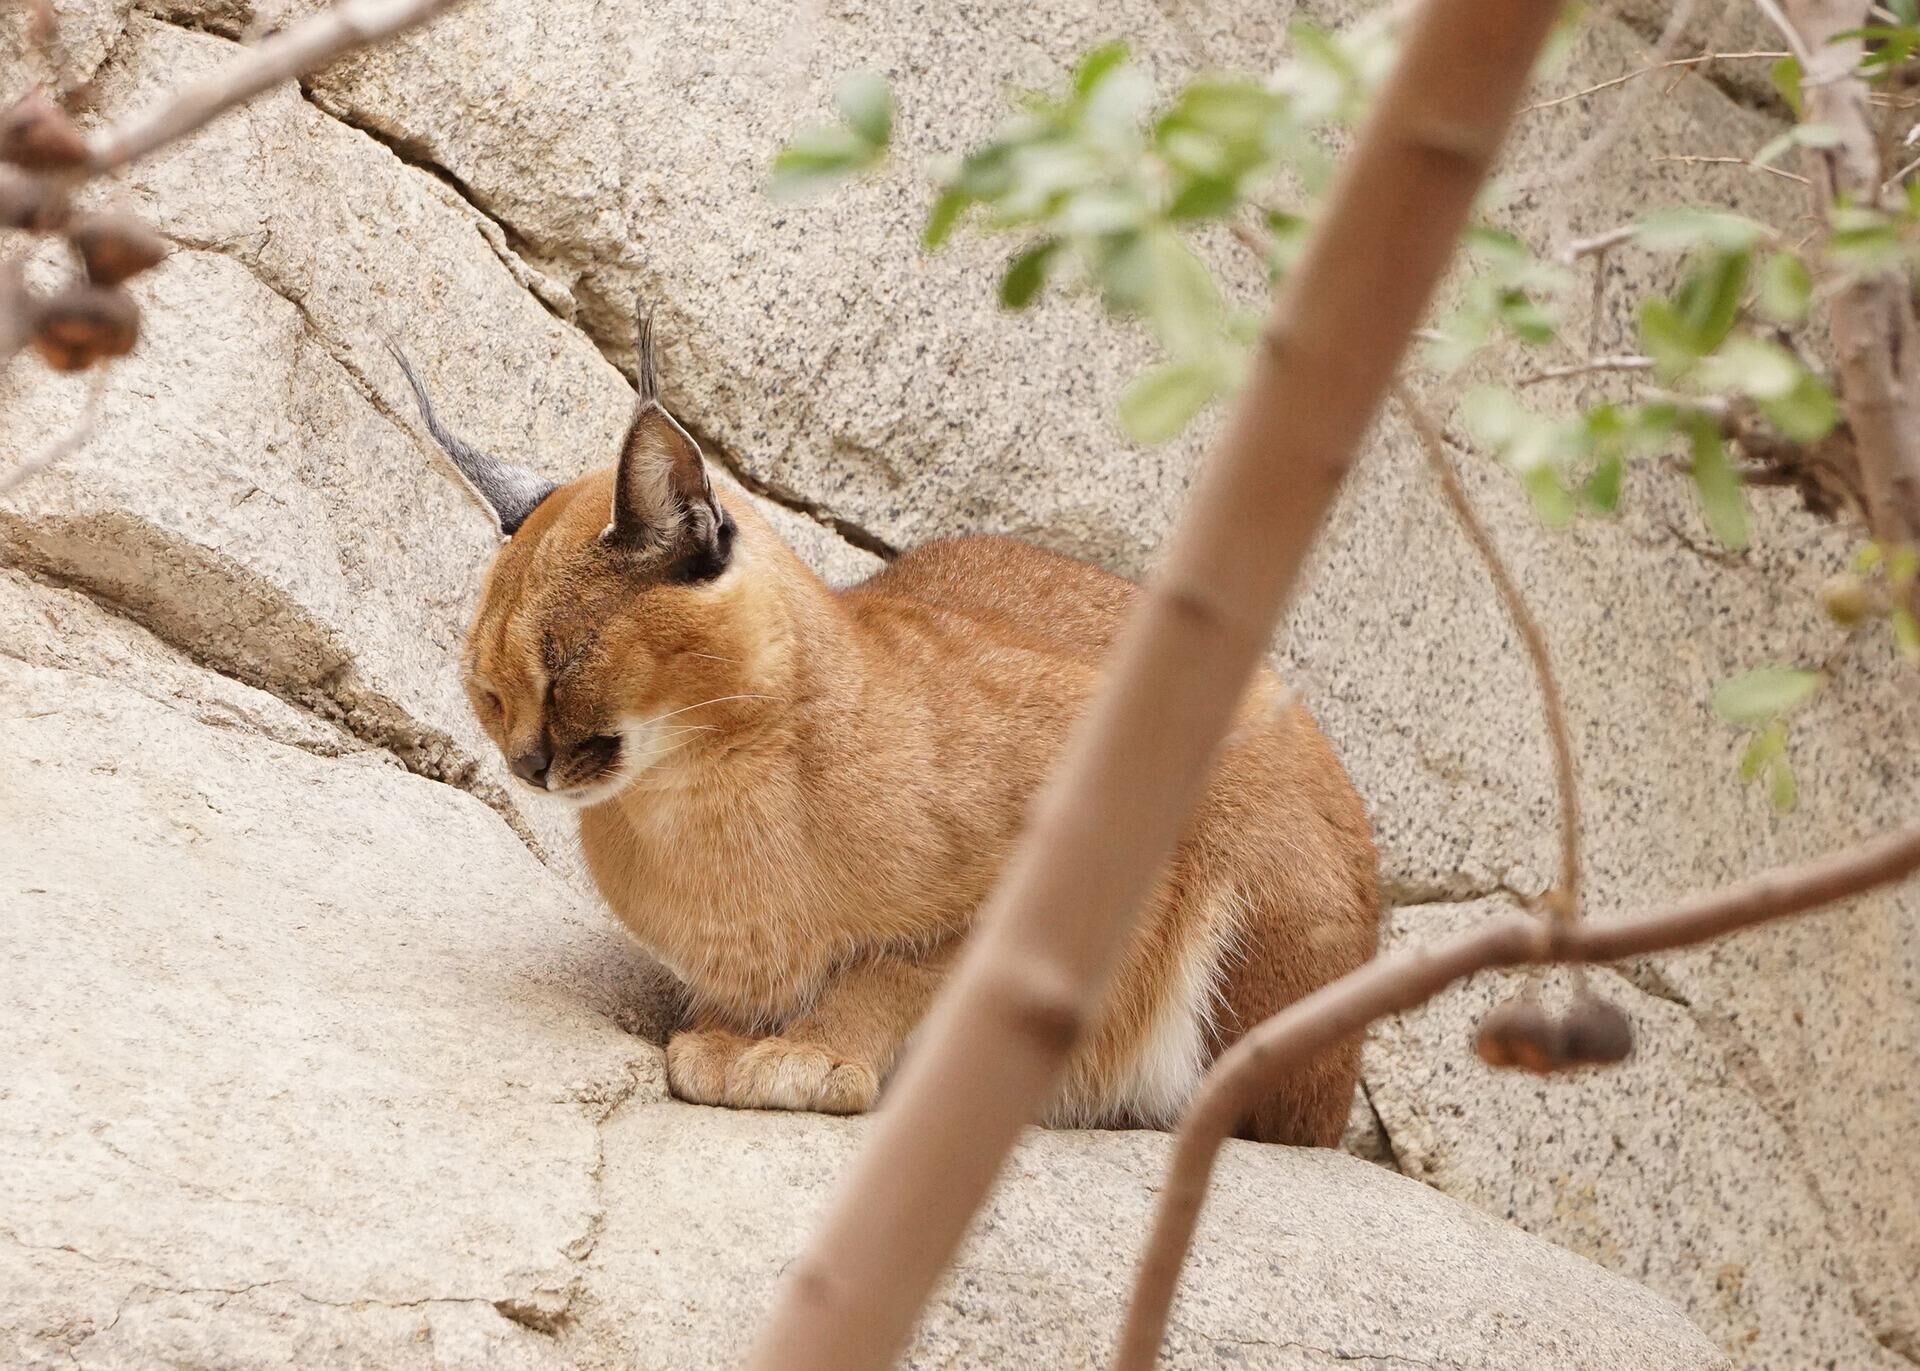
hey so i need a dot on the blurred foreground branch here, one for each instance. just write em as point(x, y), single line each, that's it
point(997, 1041)
point(293, 52)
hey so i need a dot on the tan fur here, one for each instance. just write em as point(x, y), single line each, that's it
point(853, 771)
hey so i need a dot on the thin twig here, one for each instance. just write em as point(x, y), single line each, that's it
point(67, 443)
point(1591, 365)
point(1564, 900)
point(306, 47)
point(1589, 153)
point(1404, 980)
point(1795, 43)
point(1036, 967)
point(1599, 242)
point(1648, 71)
point(1748, 163)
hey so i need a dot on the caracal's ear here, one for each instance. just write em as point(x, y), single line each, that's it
point(663, 503)
point(511, 492)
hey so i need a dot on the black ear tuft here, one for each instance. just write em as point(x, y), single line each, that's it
point(663, 503)
point(511, 492)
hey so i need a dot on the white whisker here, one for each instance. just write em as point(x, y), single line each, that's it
point(716, 700)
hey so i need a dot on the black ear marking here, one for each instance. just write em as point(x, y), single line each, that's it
point(511, 492)
point(663, 502)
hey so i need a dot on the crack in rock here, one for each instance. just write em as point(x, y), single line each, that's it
point(329, 691)
point(563, 302)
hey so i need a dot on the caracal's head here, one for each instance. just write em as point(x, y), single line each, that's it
point(617, 634)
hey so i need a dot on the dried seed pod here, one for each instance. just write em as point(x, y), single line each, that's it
point(115, 246)
point(38, 135)
point(84, 324)
point(1521, 1034)
point(31, 202)
point(1847, 598)
point(1597, 1032)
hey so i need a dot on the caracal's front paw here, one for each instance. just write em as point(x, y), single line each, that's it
point(708, 1067)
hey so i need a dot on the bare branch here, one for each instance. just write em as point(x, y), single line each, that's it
point(1564, 900)
point(67, 443)
point(993, 1048)
point(1876, 333)
point(1798, 45)
point(1399, 982)
point(1598, 243)
point(1705, 57)
point(1589, 367)
point(1690, 160)
point(307, 46)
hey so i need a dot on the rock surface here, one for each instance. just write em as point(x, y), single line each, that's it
point(238, 669)
point(312, 1063)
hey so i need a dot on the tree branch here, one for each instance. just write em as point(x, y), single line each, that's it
point(1399, 982)
point(1564, 899)
point(303, 48)
point(1638, 72)
point(1586, 368)
point(994, 1047)
point(1876, 335)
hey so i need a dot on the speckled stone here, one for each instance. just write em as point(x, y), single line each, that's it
point(258, 493)
point(1304, 1259)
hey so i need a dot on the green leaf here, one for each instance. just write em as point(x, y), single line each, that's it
point(866, 103)
point(942, 218)
point(1205, 198)
point(1764, 694)
point(1870, 555)
point(1864, 239)
point(1289, 232)
point(1799, 136)
point(1163, 400)
point(1785, 288)
point(1722, 502)
point(1807, 413)
point(1600, 492)
point(1666, 337)
point(1552, 501)
point(1769, 743)
point(1097, 64)
point(816, 160)
point(1785, 75)
point(1157, 276)
point(1670, 229)
point(1709, 299)
point(1903, 564)
point(1494, 417)
point(1102, 210)
point(1906, 633)
point(1784, 790)
point(1111, 110)
point(1026, 274)
point(1765, 371)
point(1526, 319)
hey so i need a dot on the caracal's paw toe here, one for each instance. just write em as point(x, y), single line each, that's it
point(698, 1063)
point(776, 1073)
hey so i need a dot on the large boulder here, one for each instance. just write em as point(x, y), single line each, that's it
point(240, 645)
point(312, 1063)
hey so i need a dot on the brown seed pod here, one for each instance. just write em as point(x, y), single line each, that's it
point(115, 246)
point(31, 203)
point(1847, 599)
point(38, 135)
point(1520, 1034)
point(84, 324)
point(1597, 1032)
